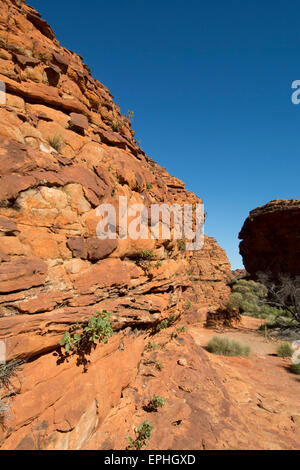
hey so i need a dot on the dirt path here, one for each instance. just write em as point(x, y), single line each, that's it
point(247, 333)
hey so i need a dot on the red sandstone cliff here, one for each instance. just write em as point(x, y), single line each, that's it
point(54, 271)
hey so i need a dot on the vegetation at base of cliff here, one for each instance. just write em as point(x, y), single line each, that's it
point(227, 347)
point(285, 350)
point(82, 339)
point(155, 403)
point(56, 142)
point(143, 434)
point(187, 305)
point(283, 294)
point(251, 298)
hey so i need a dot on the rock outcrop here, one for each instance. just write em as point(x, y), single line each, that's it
point(271, 238)
point(65, 148)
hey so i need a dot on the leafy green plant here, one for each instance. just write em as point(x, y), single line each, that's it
point(155, 403)
point(98, 329)
point(143, 434)
point(227, 347)
point(56, 142)
point(159, 264)
point(147, 254)
point(187, 305)
point(130, 115)
point(285, 350)
point(149, 186)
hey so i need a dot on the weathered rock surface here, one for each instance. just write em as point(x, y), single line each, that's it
point(65, 148)
point(271, 238)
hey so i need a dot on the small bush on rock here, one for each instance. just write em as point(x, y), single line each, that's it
point(82, 339)
point(56, 142)
point(155, 403)
point(143, 434)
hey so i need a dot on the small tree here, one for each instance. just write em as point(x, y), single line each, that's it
point(283, 293)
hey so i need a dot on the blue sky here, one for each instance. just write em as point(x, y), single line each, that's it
point(210, 86)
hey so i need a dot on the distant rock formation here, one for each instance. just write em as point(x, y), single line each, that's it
point(271, 238)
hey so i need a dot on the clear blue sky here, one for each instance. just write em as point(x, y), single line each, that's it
point(210, 86)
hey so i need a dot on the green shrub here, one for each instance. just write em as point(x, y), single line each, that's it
point(98, 329)
point(147, 254)
point(295, 368)
point(188, 305)
point(149, 186)
point(155, 403)
point(56, 142)
point(143, 434)
point(227, 347)
point(285, 350)
point(116, 126)
point(164, 324)
point(250, 298)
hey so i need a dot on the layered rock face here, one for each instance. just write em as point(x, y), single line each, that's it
point(65, 148)
point(271, 238)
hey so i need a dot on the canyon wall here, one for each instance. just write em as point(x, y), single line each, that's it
point(65, 148)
